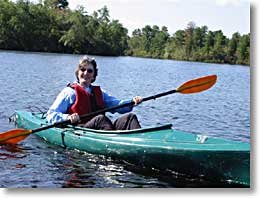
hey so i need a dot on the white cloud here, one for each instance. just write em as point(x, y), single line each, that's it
point(173, 1)
point(231, 2)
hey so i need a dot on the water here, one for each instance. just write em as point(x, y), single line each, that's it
point(31, 80)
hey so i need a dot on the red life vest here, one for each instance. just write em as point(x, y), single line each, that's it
point(86, 102)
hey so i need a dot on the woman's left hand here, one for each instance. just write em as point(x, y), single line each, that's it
point(137, 100)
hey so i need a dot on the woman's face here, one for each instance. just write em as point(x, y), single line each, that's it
point(86, 75)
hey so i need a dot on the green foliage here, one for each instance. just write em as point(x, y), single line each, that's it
point(243, 50)
point(148, 42)
point(50, 26)
point(56, 4)
point(192, 44)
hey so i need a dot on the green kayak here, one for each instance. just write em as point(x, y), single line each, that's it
point(162, 147)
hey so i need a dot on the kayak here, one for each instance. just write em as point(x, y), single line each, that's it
point(159, 147)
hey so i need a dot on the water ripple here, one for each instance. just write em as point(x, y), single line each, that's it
point(222, 111)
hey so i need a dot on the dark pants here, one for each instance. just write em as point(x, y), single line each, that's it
point(126, 122)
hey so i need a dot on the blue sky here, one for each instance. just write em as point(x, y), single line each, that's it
point(230, 16)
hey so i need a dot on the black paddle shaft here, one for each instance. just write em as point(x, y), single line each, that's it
point(126, 104)
point(159, 95)
point(82, 117)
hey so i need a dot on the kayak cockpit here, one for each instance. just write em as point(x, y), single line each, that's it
point(141, 130)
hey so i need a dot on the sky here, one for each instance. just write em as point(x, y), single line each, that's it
point(230, 16)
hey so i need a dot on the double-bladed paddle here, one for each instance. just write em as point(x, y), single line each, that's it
point(192, 86)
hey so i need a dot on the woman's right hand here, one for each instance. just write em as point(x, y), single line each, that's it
point(74, 118)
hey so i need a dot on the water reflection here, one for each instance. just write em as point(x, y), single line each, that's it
point(9, 151)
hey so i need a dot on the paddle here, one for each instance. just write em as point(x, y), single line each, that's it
point(192, 86)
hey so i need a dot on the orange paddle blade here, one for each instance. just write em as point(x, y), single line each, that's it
point(14, 136)
point(197, 85)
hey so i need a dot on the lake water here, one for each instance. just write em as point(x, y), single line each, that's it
point(33, 80)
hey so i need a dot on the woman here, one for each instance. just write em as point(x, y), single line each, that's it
point(82, 98)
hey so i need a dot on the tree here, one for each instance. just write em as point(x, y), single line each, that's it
point(76, 37)
point(136, 33)
point(243, 50)
point(200, 36)
point(8, 10)
point(174, 48)
point(136, 44)
point(209, 43)
point(218, 48)
point(148, 34)
point(118, 36)
point(189, 40)
point(158, 42)
point(104, 14)
point(62, 4)
point(56, 4)
point(232, 48)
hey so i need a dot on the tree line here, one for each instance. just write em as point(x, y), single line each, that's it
point(192, 44)
point(50, 26)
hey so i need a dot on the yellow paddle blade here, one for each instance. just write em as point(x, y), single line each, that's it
point(14, 136)
point(197, 85)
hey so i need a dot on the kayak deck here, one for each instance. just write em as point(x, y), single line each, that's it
point(157, 147)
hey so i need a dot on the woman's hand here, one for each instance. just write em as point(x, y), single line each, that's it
point(74, 118)
point(137, 100)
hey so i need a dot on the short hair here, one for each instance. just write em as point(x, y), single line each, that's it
point(85, 60)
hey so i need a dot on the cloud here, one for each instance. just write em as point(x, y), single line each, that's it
point(231, 2)
point(173, 1)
